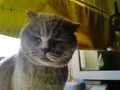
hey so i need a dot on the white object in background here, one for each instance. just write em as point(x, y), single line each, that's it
point(82, 58)
point(96, 87)
point(8, 45)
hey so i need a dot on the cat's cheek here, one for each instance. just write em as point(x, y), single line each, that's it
point(36, 54)
point(53, 57)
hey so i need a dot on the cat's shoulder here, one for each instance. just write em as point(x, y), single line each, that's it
point(7, 62)
point(6, 72)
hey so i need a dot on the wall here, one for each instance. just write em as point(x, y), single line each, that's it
point(110, 4)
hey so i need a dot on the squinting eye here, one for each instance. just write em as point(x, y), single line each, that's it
point(37, 39)
point(58, 41)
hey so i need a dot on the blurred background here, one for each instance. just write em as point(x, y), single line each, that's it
point(92, 14)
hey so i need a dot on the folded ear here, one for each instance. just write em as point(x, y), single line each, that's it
point(31, 14)
point(75, 26)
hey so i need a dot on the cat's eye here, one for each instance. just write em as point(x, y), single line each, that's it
point(59, 41)
point(38, 39)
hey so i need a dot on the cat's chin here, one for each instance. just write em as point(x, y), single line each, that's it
point(53, 57)
point(50, 63)
point(54, 64)
point(47, 59)
point(46, 62)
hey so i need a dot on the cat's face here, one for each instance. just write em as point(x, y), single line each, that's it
point(48, 39)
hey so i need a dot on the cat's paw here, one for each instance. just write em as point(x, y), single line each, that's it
point(53, 57)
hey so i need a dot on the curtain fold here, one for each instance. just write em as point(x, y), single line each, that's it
point(92, 14)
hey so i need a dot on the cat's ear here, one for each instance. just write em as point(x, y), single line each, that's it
point(31, 14)
point(75, 26)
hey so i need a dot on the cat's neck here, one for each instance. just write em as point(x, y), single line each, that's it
point(23, 76)
point(27, 74)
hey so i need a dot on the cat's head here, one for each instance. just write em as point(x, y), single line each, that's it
point(48, 39)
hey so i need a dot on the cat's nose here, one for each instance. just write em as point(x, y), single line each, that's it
point(45, 50)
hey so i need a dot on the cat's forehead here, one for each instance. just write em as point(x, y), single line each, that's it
point(46, 23)
point(48, 17)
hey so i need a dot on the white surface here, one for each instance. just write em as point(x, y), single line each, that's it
point(8, 45)
point(96, 87)
point(92, 75)
point(83, 61)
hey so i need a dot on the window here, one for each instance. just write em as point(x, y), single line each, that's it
point(8, 45)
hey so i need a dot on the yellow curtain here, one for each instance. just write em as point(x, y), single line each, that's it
point(92, 14)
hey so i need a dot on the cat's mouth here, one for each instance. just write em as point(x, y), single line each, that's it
point(49, 59)
point(46, 56)
point(54, 57)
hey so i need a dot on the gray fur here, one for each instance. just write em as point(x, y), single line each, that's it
point(47, 45)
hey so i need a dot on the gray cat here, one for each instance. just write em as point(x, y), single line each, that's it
point(47, 45)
